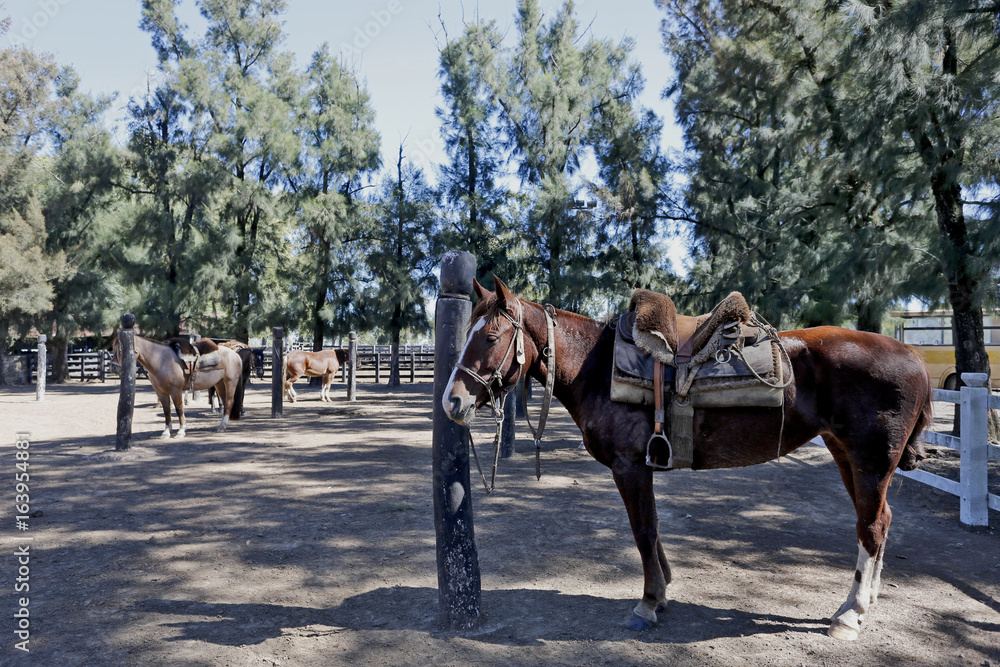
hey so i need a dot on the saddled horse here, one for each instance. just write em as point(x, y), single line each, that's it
point(868, 396)
point(166, 371)
point(247, 357)
point(323, 364)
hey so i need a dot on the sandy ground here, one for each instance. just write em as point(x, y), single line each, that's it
point(309, 540)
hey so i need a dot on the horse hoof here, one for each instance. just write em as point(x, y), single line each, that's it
point(638, 623)
point(181, 434)
point(165, 435)
point(842, 631)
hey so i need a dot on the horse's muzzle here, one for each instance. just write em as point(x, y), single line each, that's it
point(458, 410)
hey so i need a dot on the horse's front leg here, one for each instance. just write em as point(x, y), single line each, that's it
point(165, 402)
point(635, 484)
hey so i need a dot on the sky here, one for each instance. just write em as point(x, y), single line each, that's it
point(393, 45)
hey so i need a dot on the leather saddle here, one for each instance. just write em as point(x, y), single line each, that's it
point(194, 356)
point(726, 358)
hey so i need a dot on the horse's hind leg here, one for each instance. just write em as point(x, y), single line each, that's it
point(178, 397)
point(635, 484)
point(226, 394)
point(324, 394)
point(868, 490)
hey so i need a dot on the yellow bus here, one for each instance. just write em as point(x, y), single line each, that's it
point(929, 334)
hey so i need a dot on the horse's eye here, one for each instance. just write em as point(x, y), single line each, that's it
point(492, 338)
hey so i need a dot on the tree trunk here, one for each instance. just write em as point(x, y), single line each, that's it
point(3, 348)
point(394, 380)
point(870, 315)
point(60, 362)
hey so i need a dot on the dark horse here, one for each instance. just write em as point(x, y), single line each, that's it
point(867, 395)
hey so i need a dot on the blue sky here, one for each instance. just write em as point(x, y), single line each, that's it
point(394, 44)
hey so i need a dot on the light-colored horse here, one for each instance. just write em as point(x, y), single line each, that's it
point(166, 374)
point(323, 364)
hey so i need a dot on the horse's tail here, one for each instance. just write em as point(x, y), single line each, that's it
point(913, 452)
point(284, 375)
point(237, 410)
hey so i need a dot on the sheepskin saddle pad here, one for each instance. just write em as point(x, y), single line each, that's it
point(720, 359)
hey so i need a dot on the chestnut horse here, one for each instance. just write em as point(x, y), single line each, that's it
point(868, 396)
point(166, 374)
point(323, 364)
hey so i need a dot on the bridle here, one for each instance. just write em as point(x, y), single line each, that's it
point(496, 400)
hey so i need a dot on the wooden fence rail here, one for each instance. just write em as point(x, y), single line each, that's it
point(416, 363)
point(975, 500)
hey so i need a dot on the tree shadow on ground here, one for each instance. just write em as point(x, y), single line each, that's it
point(508, 619)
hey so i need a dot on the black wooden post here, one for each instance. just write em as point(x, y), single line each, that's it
point(457, 558)
point(42, 364)
point(509, 423)
point(352, 370)
point(413, 366)
point(126, 387)
point(277, 365)
point(378, 368)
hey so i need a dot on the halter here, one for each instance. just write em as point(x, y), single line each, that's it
point(496, 400)
point(516, 345)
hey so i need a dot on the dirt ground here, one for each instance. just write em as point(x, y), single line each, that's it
point(309, 540)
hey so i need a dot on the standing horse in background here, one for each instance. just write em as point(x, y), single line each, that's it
point(166, 369)
point(323, 364)
point(867, 395)
point(247, 357)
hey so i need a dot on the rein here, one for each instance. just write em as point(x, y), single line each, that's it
point(496, 400)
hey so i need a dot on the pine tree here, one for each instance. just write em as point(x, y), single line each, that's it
point(340, 149)
point(400, 264)
point(471, 185)
point(241, 90)
point(28, 266)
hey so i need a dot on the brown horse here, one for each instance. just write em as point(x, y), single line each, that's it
point(867, 395)
point(166, 374)
point(323, 364)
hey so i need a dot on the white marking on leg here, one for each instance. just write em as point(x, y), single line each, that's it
point(224, 424)
point(446, 396)
point(847, 621)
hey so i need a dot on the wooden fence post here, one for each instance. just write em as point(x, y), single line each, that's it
point(378, 367)
point(413, 366)
point(277, 364)
point(41, 363)
point(974, 505)
point(352, 370)
point(126, 386)
point(459, 585)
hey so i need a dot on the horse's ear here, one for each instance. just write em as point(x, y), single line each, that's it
point(480, 291)
point(504, 295)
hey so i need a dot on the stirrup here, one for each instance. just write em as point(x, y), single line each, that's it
point(650, 451)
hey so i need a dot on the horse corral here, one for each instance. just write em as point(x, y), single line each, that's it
point(309, 540)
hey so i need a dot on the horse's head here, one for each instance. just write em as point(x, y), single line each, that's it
point(493, 360)
point(116, 355)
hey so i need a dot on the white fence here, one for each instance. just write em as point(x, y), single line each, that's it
point(975, 500)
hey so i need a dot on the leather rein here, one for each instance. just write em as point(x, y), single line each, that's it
point(496, 400)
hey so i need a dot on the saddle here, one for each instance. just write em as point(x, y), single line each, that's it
point(194, 356)
point(729, 357)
